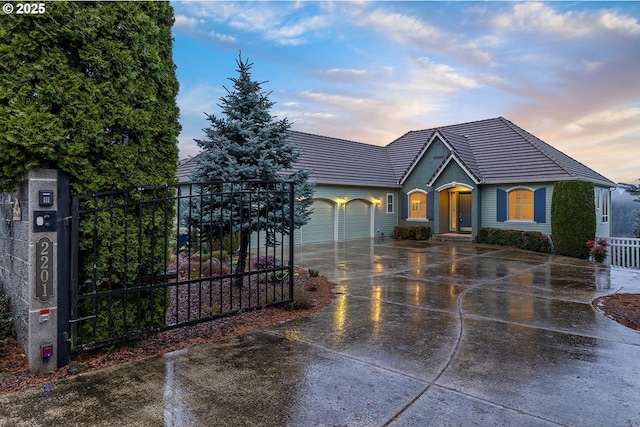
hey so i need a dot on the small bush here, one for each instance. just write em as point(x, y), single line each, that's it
point(110, 317)
point(411, 232)
point(529, 240)
point(264, 262)
point(302, 299)
point(313, 272)
point(598, 249)
point(6, 316)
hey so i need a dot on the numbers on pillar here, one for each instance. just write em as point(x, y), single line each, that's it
point(44, 269)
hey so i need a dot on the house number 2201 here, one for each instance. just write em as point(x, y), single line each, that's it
point(44, 269)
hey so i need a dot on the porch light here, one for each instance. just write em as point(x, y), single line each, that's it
point(377, 201)
point(341, 201)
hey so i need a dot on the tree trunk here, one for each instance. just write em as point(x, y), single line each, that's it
point(245, 236)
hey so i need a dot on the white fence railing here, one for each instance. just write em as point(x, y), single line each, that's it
point(624, 252)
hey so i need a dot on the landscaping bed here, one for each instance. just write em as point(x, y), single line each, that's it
point(623, 308)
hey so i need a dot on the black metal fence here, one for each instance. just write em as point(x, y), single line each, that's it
point(154, 258)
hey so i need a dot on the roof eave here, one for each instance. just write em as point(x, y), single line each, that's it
point(355, 184)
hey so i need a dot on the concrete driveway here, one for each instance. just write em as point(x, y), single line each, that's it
point(419, 334)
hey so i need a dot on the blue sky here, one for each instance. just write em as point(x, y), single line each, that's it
point(568, 72)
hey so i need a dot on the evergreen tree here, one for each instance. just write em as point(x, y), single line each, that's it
point(634, 189)
point(248, 144)
point(89, 88)
point(573, 218)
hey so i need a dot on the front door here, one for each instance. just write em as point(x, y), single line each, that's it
point(464, 212)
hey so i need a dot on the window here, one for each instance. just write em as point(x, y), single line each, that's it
point(520, 204)
point(390, 208)
point(602, 203)
point(418, 205)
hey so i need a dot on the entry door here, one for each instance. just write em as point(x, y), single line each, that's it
point(464, 212)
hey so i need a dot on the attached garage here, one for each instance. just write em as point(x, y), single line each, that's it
point(357, 220)
point(321, 226)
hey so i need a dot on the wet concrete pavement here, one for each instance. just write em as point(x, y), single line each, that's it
point(419, 334)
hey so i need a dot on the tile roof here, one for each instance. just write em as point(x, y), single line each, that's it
point(338, 161)
point(493, 151)
point(185, 167)
point(496, 151)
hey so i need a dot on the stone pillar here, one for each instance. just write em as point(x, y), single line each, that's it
point(30, 219)
point(43, 281)
point(42, 216)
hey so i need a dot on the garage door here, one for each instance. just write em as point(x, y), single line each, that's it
point(357, 220)
point(321, 225)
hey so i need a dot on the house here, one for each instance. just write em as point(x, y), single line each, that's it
point(455, 179)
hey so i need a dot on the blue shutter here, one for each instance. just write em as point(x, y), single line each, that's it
point(430, 202)
point(501, 205)
point(404, 205)
point(539, 205)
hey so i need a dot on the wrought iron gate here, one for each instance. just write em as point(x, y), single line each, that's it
point(154, 258)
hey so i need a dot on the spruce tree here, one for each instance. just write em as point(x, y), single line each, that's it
point(246, 143)
point(634, 189)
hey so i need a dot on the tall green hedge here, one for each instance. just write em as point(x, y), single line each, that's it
point(573, 218)
point(89, 88)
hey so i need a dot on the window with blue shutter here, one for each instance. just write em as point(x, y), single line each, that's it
point(404, 205)
point(539, 205)
point(430, 198)
point(501, 205)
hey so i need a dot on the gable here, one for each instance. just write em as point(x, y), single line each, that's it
point(493, 151)
point(451, 171)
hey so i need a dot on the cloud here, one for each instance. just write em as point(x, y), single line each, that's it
point(415, 32)
point(543, 19)
point(199, 100)
point(185, 21)
point(293, 34)
point(440, 77)
point(221, 37)
point(275, 22)
point(345, 74)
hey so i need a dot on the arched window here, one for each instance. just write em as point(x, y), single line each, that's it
point(520, 204)
point(418, 205)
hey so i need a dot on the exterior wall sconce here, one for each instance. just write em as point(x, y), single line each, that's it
point(341, 201)
point(377, 201)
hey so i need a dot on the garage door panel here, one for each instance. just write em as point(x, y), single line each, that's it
point(357, 220)
point(321, 224)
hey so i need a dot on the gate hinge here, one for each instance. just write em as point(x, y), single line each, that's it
point(67, 221)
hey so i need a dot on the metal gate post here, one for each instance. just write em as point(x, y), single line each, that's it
point(291, 239)
point(64, 276)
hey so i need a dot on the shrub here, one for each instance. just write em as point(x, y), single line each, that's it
point(263, 262)
point(573, 218)
point(411, 232)
point(534, 241)
point(313, 272)
point(123, 315)
point(6, 316)
point(598, 249)
point(529, 240)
